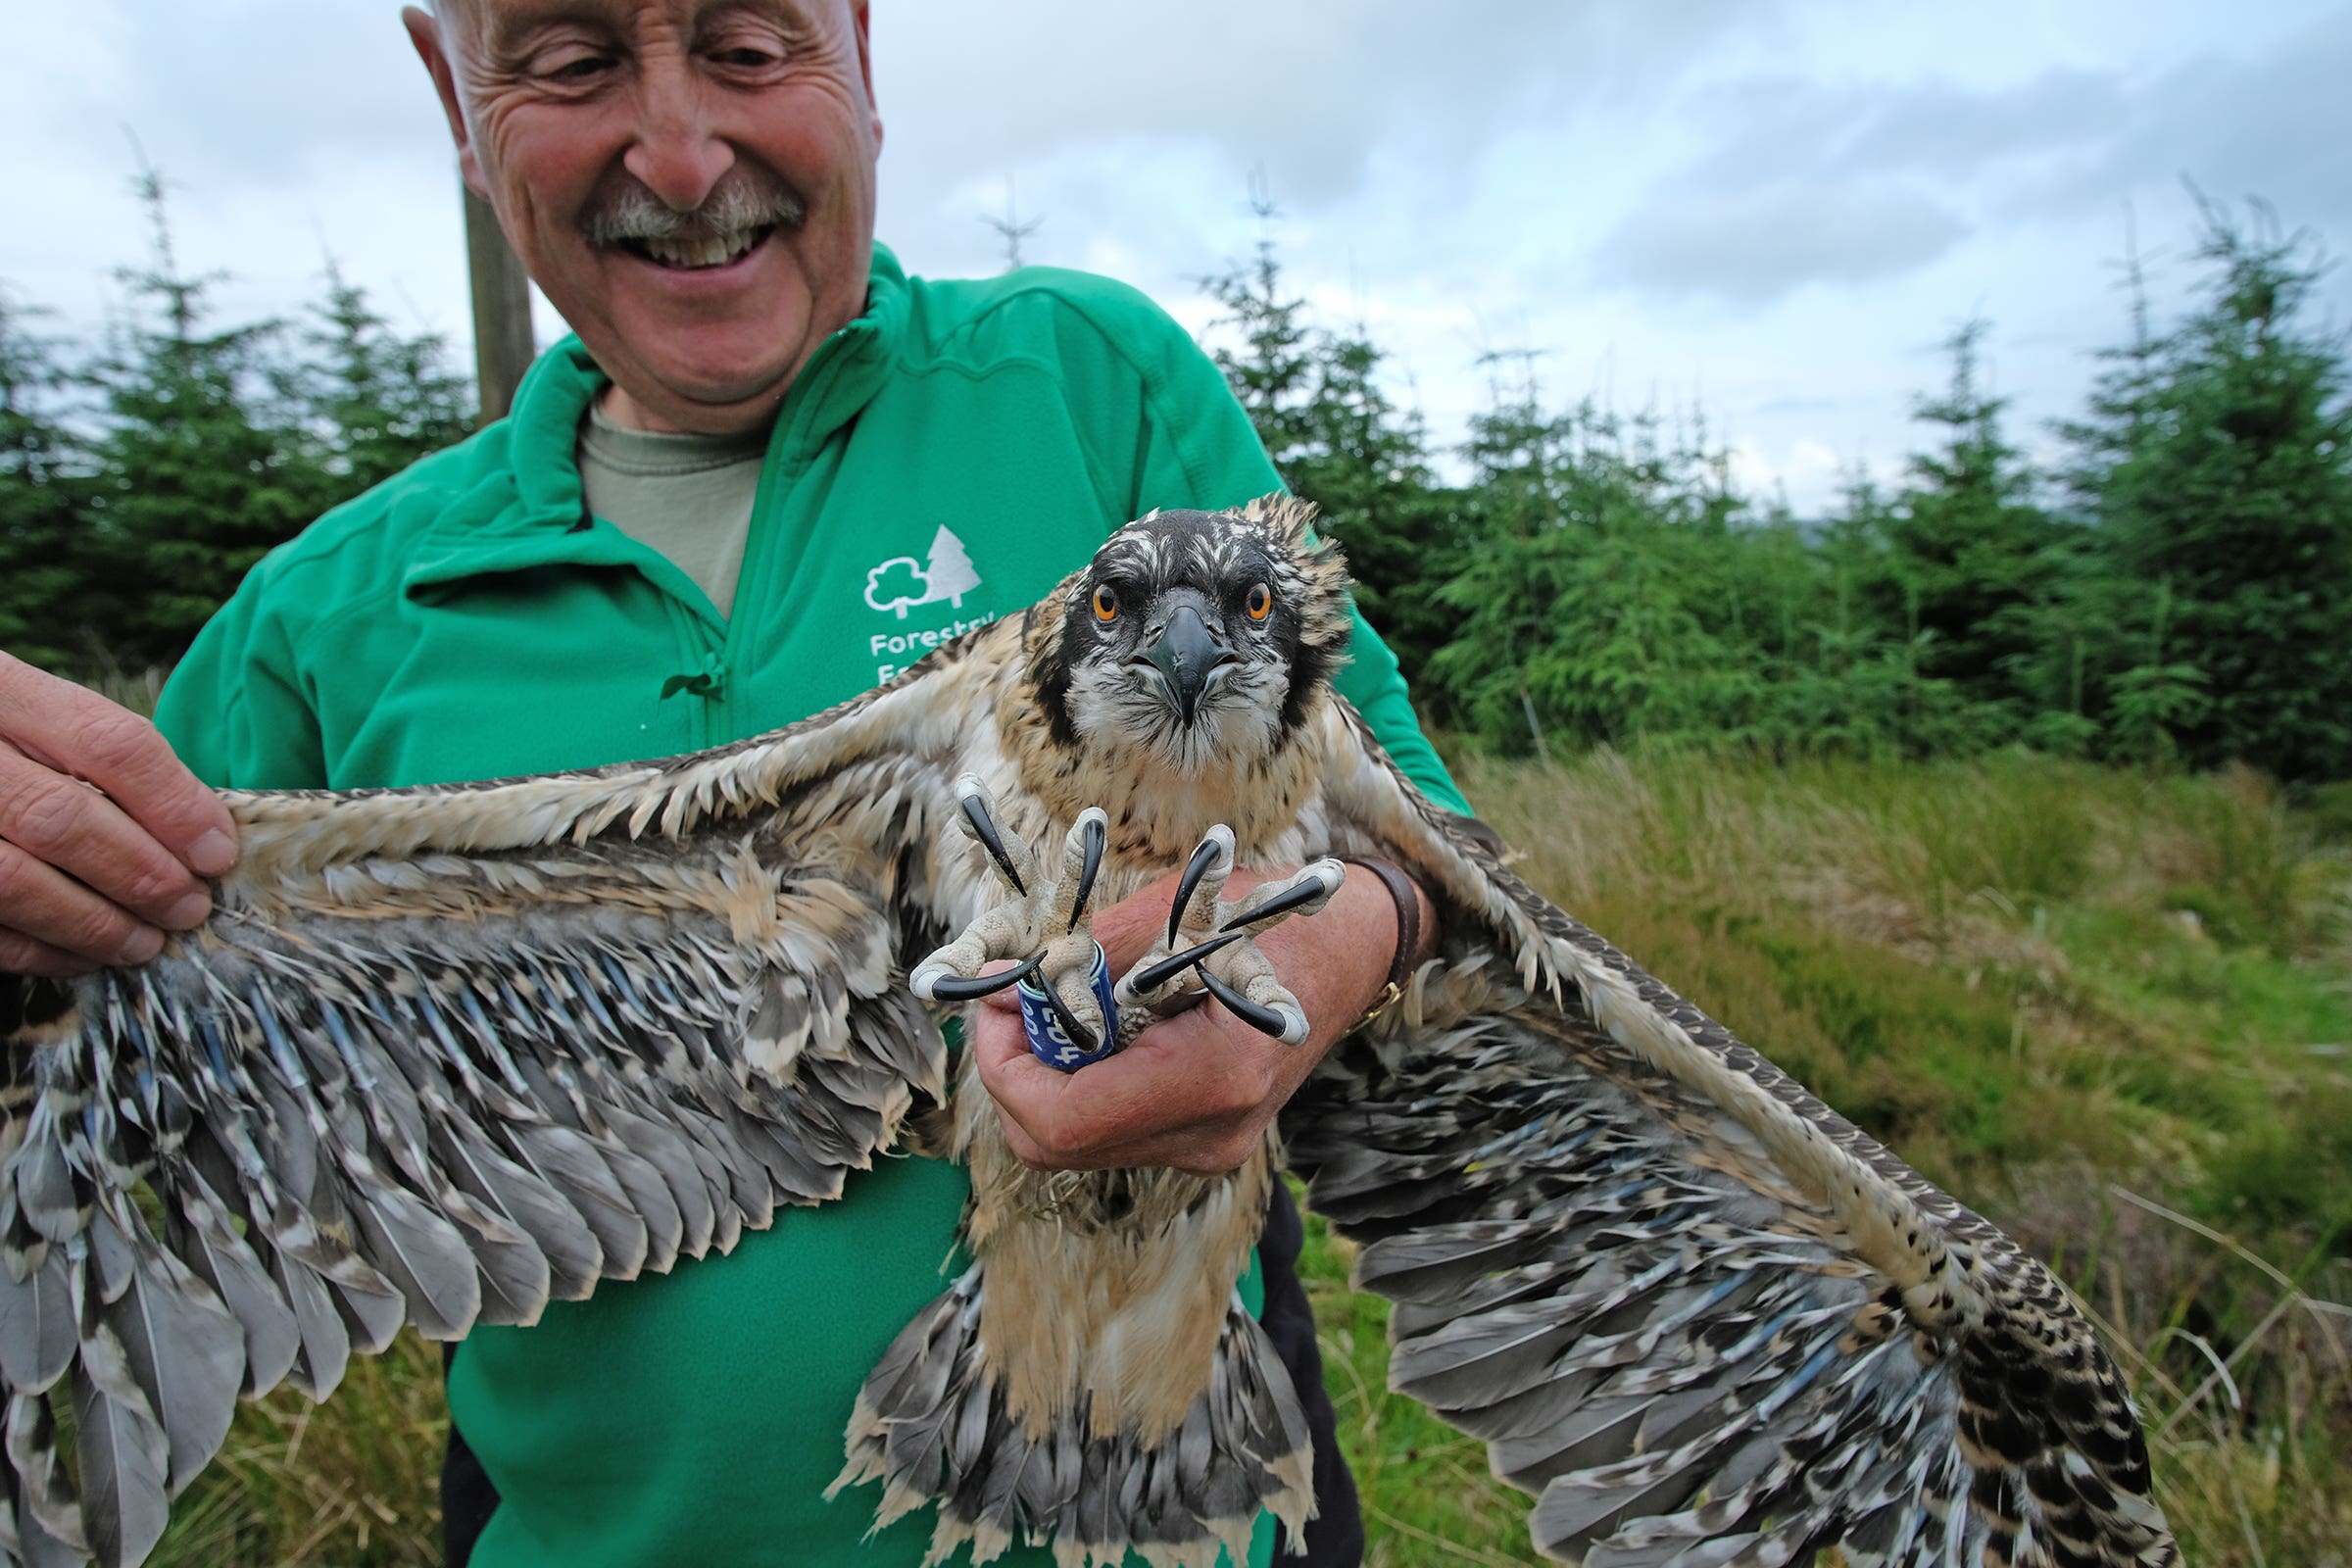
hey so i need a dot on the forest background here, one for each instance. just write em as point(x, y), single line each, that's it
point(2177, 590)
point(2005, 805)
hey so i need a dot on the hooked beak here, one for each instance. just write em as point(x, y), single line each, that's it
point(1186, 654)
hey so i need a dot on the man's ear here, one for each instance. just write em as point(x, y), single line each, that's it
point(425, 33)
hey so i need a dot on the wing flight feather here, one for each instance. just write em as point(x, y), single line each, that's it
point(1702, 1317)
point(442, 1055)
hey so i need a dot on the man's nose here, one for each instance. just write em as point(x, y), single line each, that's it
point(677, 152)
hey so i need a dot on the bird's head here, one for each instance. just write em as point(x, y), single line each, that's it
point(1194, 638)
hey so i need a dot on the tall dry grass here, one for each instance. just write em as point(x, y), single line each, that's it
point(2109, 1010)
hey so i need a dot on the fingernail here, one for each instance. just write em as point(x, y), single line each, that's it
point(188, 912)
point(141, 945)
point(213, 854)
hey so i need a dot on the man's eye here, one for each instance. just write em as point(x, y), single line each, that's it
point(573, 69)
point(746, 58)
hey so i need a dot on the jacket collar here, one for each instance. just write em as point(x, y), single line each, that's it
point(538, 518)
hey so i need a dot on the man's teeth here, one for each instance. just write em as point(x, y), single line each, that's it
point(716, 250)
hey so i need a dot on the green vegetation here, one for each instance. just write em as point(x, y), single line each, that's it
point(140, 478)
point(2181, 591)
point(2111, 1014)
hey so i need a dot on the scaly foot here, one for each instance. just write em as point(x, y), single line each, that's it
point(1071, 1014)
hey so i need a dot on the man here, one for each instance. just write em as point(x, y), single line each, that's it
point(771, 470)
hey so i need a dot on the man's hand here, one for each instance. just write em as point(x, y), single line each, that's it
point(104, 835)
point(1197, 1091)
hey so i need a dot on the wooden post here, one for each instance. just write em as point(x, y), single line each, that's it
point(503, 344)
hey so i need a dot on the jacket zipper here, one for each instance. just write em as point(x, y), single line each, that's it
point(762, 541)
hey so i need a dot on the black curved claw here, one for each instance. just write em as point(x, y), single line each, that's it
point(1265, 1020)
point(1304, 894)
point(984, 827)
point(1159, 974)
point(956, 988)
point(1097, 836)
point(1079, 1034)
point(1204, 855)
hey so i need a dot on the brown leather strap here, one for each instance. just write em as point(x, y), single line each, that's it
point(1407, 899)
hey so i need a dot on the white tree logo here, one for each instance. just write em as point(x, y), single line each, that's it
point(899, 583)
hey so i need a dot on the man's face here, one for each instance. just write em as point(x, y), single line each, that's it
point(690, 181)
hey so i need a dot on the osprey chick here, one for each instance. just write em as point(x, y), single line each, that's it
point(442, 1055)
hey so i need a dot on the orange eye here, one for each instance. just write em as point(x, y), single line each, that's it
point(1260, 603)
point(1106, 604)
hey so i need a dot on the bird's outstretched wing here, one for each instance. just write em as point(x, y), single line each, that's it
point(1699, 1314)
point(442, 1055)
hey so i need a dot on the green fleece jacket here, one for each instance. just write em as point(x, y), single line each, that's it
point(941, 461)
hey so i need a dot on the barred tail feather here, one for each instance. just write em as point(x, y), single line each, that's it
point(933, 1426)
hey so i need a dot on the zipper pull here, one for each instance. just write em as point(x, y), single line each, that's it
point(709, 682)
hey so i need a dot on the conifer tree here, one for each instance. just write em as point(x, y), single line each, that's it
point(1975, 559)
point(370, 400)
point(43, 616)
point(1366, 462)
point(198, 473)
point(1588, 609)
point(2220, 468)
point(1272, 372)
point(1338, 440)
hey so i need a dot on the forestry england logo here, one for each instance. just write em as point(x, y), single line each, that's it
point(901, 582)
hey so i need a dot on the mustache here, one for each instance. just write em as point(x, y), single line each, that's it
point(744, 198)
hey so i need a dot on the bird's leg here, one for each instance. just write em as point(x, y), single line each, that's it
point(1012, 929)
point(1239, 976)
point(1040, 923)
point(1209, 952)
point(1072, 1019)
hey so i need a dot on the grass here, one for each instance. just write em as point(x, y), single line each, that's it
point(2112, 1013)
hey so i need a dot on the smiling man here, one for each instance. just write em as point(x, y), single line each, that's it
point(691, 187)
point(770, 470)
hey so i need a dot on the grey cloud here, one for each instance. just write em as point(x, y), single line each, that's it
point(1331, 96)
point(2274, 126)
point(1951, 131)
point(1756, 243)
point(1803, 182)
point(1770, 126)
point(1849, 167)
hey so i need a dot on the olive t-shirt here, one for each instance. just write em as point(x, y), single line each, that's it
point(688, 495)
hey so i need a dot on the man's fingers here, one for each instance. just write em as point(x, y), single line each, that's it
point(65, 823)
point(22, 954)
point(1182, 1086)
point(78, 732)
point(39, 902)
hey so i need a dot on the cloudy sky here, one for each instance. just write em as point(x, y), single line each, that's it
point(1772, 209)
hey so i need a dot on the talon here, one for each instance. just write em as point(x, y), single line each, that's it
point(1153, 976)
point(979, 815)
point(957, 987)
point(1320, 881)
point(1288, 1027)
point(1094, 832)
point(1079, 1034)
point(1215, 849)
